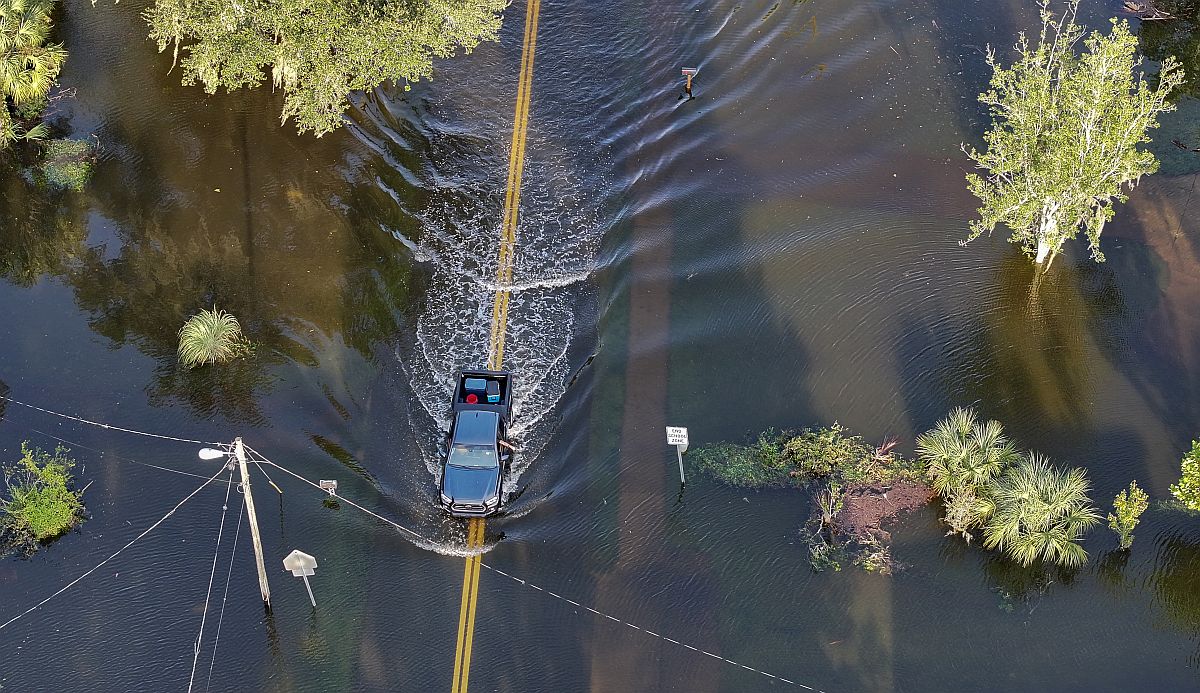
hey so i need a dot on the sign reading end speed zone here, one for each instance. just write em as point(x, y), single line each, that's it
point(677, 435)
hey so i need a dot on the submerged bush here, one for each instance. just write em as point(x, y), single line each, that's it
point(1128, 507)
point(782, 458)
point(41, 504)
point(67, 163)
point(758, 465)
point(851, 477)
point(1187, 491)
point(1040, 513)
point(211, 336)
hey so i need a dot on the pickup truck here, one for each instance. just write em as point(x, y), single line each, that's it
point(478, 454)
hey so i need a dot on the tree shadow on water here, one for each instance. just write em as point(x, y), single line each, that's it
point(1030, 351)
point(1175, 583)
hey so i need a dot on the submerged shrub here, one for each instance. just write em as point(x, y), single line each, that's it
point(1128, 506)
point(41, 504)
point(1187, 491)
point(758, 465)
point(1040, 513)
point(67, 163)
point(211, 336)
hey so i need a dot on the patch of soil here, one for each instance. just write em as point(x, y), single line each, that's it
point(866, 506)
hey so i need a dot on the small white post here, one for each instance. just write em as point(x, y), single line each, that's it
point(308, 587)
point(678, 436)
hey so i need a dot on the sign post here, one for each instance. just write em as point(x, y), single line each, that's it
point(302, 565)
point(678, 437)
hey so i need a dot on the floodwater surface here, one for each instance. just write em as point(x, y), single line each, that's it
point(780, 251)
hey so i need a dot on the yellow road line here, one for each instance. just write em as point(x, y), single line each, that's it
point(504, 274)
point(512, 195)
point(466, 614)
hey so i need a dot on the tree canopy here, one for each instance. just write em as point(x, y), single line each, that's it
point(1063, 145)
point(318, 51)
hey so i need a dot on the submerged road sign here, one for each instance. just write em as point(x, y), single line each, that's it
point(302, 565)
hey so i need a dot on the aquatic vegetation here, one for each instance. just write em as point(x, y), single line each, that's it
point(1128, 508)
point(363, 46)
point(963, 456)
point(211, 336)
point(1063, 144)
point(28, 66)
point(41, 504)
point(1187, 491)
point(859, 486)
point(758, 465)
point(781, 458)
point(67, 163)
point(1040, 513)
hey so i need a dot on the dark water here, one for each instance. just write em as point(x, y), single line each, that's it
point(780, 251)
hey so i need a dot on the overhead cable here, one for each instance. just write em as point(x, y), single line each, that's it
point(212, 574)
point(550, 593)
point(108, 426)
point(115, 554)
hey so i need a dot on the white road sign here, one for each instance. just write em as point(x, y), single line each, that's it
point(300, 563)
point(677, 435)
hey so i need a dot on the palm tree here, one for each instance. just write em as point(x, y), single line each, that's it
point(962, 453)
point(962, 457)
point(1040, 513)
point(28, 68)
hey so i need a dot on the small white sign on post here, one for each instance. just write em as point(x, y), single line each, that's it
point(302, 565)
point(678, 436)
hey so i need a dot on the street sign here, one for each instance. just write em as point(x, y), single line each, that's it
point(302, 565)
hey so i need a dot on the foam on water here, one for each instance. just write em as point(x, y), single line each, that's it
point(558, 235)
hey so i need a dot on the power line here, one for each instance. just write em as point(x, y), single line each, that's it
point(212, 574)
point(377, 516)
point(114, 555)
point(101, 452)
point(225, 597)
point(555, 595)
point(108, 426)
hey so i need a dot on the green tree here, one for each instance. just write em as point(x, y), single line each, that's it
point(962, 457)
point(1128, 506)
point(318, 51)
point(1187, 491)
point(28, 67)
point(1063, 144)
point(1040, 513)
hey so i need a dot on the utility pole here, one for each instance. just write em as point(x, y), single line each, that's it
point(263, 587)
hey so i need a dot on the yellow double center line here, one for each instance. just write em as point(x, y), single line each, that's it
point(466, 614)
point(512, 193)
point(504, 274)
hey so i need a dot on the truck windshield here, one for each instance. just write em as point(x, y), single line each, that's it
point(473, 455)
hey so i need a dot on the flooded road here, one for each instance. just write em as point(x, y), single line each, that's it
point(781, 251)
